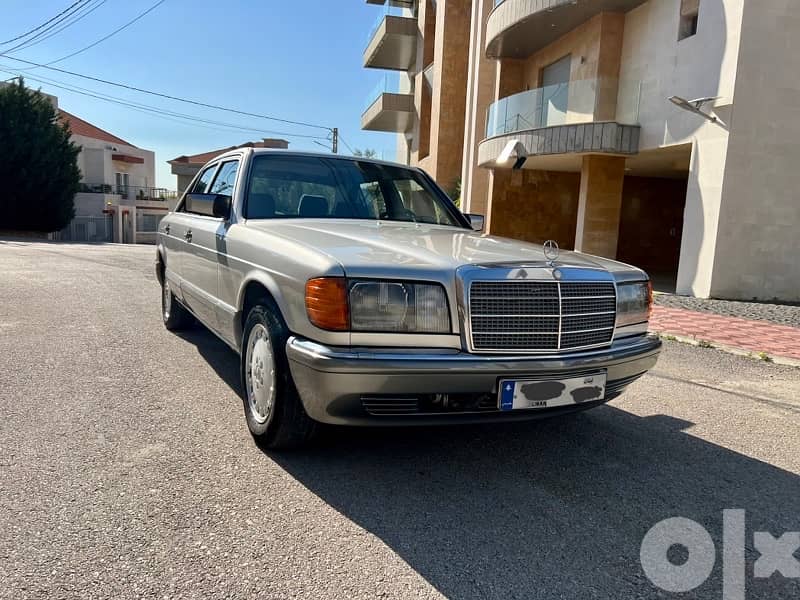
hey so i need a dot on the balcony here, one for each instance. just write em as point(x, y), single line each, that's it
point(392, 41)
point(128, 192)
point(388, 109)
point(519, 28)
point(592, 116)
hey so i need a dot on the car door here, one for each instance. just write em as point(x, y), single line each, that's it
point(174, 229)
point(224, 185)
point(198, 260)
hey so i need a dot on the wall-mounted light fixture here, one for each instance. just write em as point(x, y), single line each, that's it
point(695, 106)
point(513, 148)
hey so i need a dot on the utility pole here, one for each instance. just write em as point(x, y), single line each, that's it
point(336, 140)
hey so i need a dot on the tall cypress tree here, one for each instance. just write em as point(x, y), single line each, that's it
point(38, 163)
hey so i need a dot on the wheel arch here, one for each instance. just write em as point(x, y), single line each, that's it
point(256, 287)
point(161, 262)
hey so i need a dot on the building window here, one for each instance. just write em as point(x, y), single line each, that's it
point(122, 180)
point(690, 9)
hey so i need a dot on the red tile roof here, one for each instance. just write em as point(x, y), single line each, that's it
point(80, 127)
point(201, 159)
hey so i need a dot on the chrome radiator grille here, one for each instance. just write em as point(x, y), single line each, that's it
point(540, 316)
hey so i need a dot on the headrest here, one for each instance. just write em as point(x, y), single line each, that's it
point(260, 206)
point(312, 206)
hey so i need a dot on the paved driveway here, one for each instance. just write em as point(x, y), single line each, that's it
point(126, 469)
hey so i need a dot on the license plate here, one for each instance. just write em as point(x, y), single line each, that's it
point(549, 393)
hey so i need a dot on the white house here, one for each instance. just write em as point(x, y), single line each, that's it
point(118, 200)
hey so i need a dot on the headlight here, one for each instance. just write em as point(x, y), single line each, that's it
point(633, 303)
point(395, 306)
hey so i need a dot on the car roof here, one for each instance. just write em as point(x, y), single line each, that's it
point(310, 154)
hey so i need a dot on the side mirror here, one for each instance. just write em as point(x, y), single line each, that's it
point(222, 206)
point(210, 205)
point(477, 221)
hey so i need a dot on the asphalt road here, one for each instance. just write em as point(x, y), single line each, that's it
point(126, 469)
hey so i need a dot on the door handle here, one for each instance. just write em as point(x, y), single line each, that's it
point(188, 235)
point(166, 229)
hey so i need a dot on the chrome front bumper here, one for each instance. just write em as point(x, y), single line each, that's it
point(333, 381)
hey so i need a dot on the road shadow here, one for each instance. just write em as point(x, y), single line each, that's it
point(550, 509)
point(555, 509)
point(216, 353)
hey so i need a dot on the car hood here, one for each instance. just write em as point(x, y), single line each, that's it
point(364, 247)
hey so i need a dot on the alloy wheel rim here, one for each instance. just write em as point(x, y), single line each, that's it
point(260, 376)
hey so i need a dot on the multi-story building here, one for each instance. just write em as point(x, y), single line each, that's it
point(660, 132)
point(423, 46)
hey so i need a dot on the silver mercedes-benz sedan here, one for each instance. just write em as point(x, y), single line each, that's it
point(356, 293)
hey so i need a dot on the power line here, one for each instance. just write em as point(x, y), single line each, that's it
point(341, 139)
point(170, 97)
point(103, 39)
point(35, 29)
point(59, 26)
point(160, 112)
point(88, 9)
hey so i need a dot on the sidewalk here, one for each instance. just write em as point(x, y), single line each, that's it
point(732, 332)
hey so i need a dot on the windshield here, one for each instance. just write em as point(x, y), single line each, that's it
point(297, 187)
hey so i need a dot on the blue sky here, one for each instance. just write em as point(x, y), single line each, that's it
point(296, 59)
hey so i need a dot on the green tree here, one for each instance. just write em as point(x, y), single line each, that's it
point(39, 167)
point(455, 192)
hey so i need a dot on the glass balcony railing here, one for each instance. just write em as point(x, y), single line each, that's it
point(574, 102)
point(387, 11)
point(389, 84)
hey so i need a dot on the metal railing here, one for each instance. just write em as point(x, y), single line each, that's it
point(87, 229)
point(571, 102)
point(130, 192)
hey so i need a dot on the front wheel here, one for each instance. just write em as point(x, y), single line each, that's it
point(275, 416)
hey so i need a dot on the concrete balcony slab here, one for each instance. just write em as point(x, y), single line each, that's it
point(393, 45)
point(518, 28)
point(390, 112)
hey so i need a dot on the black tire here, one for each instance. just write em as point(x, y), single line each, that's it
point(173, 313)
point(286, 424)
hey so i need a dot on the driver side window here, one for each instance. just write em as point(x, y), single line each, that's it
point(199, 187)
point(226, 178)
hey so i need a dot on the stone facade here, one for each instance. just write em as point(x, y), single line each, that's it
point(535, 206)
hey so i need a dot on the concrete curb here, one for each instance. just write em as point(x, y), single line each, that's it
point(700, 343)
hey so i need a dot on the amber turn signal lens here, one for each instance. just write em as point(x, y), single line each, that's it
point(649, 298)
point(326, 303)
